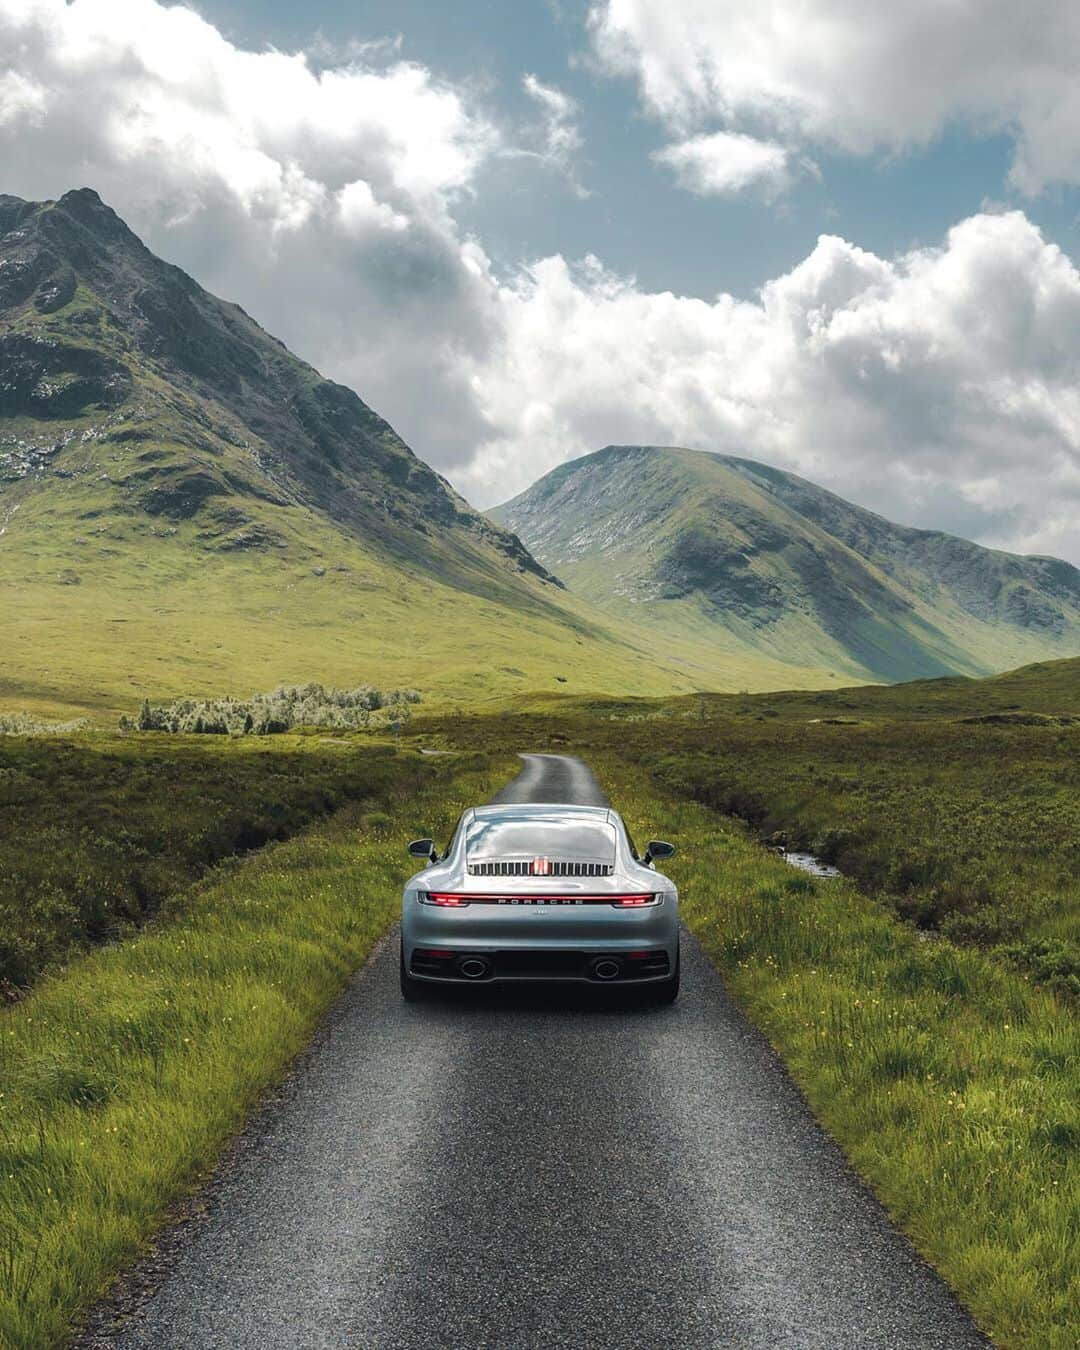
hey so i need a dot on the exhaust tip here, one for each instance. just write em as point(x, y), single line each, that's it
point(474, 967)
point(606, 969)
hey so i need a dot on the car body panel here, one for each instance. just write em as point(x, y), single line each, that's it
point(556, 914)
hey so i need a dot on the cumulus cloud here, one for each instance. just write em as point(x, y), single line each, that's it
point(727, 162)
point(860, 77)
point(941, 386)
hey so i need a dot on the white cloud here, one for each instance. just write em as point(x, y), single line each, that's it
point(860, 77)
point(727, 162)
point(562, 139)
point(161, 91)
point(940, 386)
point(560, 116)
point(22, 100)
point(321, 199)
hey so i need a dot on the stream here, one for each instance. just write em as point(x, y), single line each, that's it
point(806, 862)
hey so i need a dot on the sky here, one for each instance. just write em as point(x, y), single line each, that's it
point(837, 237)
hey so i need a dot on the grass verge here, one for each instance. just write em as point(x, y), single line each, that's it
point(96, 831)
point(950, 1082)
point(123, 1076)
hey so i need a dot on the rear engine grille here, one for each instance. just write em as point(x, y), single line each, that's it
point(554, 869)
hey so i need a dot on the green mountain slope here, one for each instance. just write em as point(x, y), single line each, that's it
point(738, 558)
point(185, 507)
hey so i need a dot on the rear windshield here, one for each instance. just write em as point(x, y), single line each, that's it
point(586, 840)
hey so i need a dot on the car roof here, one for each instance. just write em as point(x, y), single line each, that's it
point(549, 812)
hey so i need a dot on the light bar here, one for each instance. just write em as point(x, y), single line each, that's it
point(458, 900)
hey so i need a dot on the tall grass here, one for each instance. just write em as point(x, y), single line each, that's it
point(96, 831)
point(122, 1076)
point(970, 829)
point(952, 1084)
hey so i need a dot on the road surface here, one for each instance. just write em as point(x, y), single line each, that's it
point(537, 1173)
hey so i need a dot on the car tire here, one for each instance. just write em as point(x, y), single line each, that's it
point(412, 990)
point(668, 990)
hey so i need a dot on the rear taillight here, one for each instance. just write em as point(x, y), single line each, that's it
point(449, 900)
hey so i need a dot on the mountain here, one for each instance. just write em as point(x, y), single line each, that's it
point(740, 558)
point(186, 507)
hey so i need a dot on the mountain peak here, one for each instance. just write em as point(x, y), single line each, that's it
point(85, 206)
point(101, 338)
point(734, 553)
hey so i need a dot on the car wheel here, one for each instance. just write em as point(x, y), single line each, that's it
point(412, 990)
point(668, 990)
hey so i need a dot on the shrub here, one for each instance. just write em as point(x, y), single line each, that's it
point(22, 724)
point(282, 709)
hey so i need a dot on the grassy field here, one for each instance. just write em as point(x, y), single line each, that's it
point(948, 1069)
point(123, 1075)
point(95, 831)
point(92, 586)
point(971, 833)
point(951, 1083)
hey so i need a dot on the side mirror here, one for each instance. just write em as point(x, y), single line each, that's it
point(656, 848)
point(424, 848)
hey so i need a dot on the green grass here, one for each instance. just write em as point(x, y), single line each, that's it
point(968, 831)
point(123, 1076)
point(955, 802)
point(96, 831)
point(249, 620)
point(951, 1084)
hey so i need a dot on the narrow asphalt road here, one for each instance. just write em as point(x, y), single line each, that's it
point(539, 1173)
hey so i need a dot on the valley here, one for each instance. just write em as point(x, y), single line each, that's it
point(201, 869)
point(187, 509)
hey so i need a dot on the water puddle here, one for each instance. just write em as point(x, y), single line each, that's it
point(806, 862)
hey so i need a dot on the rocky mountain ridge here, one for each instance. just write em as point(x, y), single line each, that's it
point(103, 341)
point(748, 557)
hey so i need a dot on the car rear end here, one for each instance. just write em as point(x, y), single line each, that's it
point(498, 912)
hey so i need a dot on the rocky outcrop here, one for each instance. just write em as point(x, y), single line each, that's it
point(43, 377)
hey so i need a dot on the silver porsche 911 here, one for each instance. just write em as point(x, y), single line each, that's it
point(540, 892)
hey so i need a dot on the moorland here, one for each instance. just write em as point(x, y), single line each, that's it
point(189, 513)
point(925, 999)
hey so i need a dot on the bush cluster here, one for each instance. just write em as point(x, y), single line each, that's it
point(282, 709)
point(23, 724)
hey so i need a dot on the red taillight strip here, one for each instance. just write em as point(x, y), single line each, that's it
point(455, 900)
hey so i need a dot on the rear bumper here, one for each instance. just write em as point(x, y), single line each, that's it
point(540, 942)
point(611, 965)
